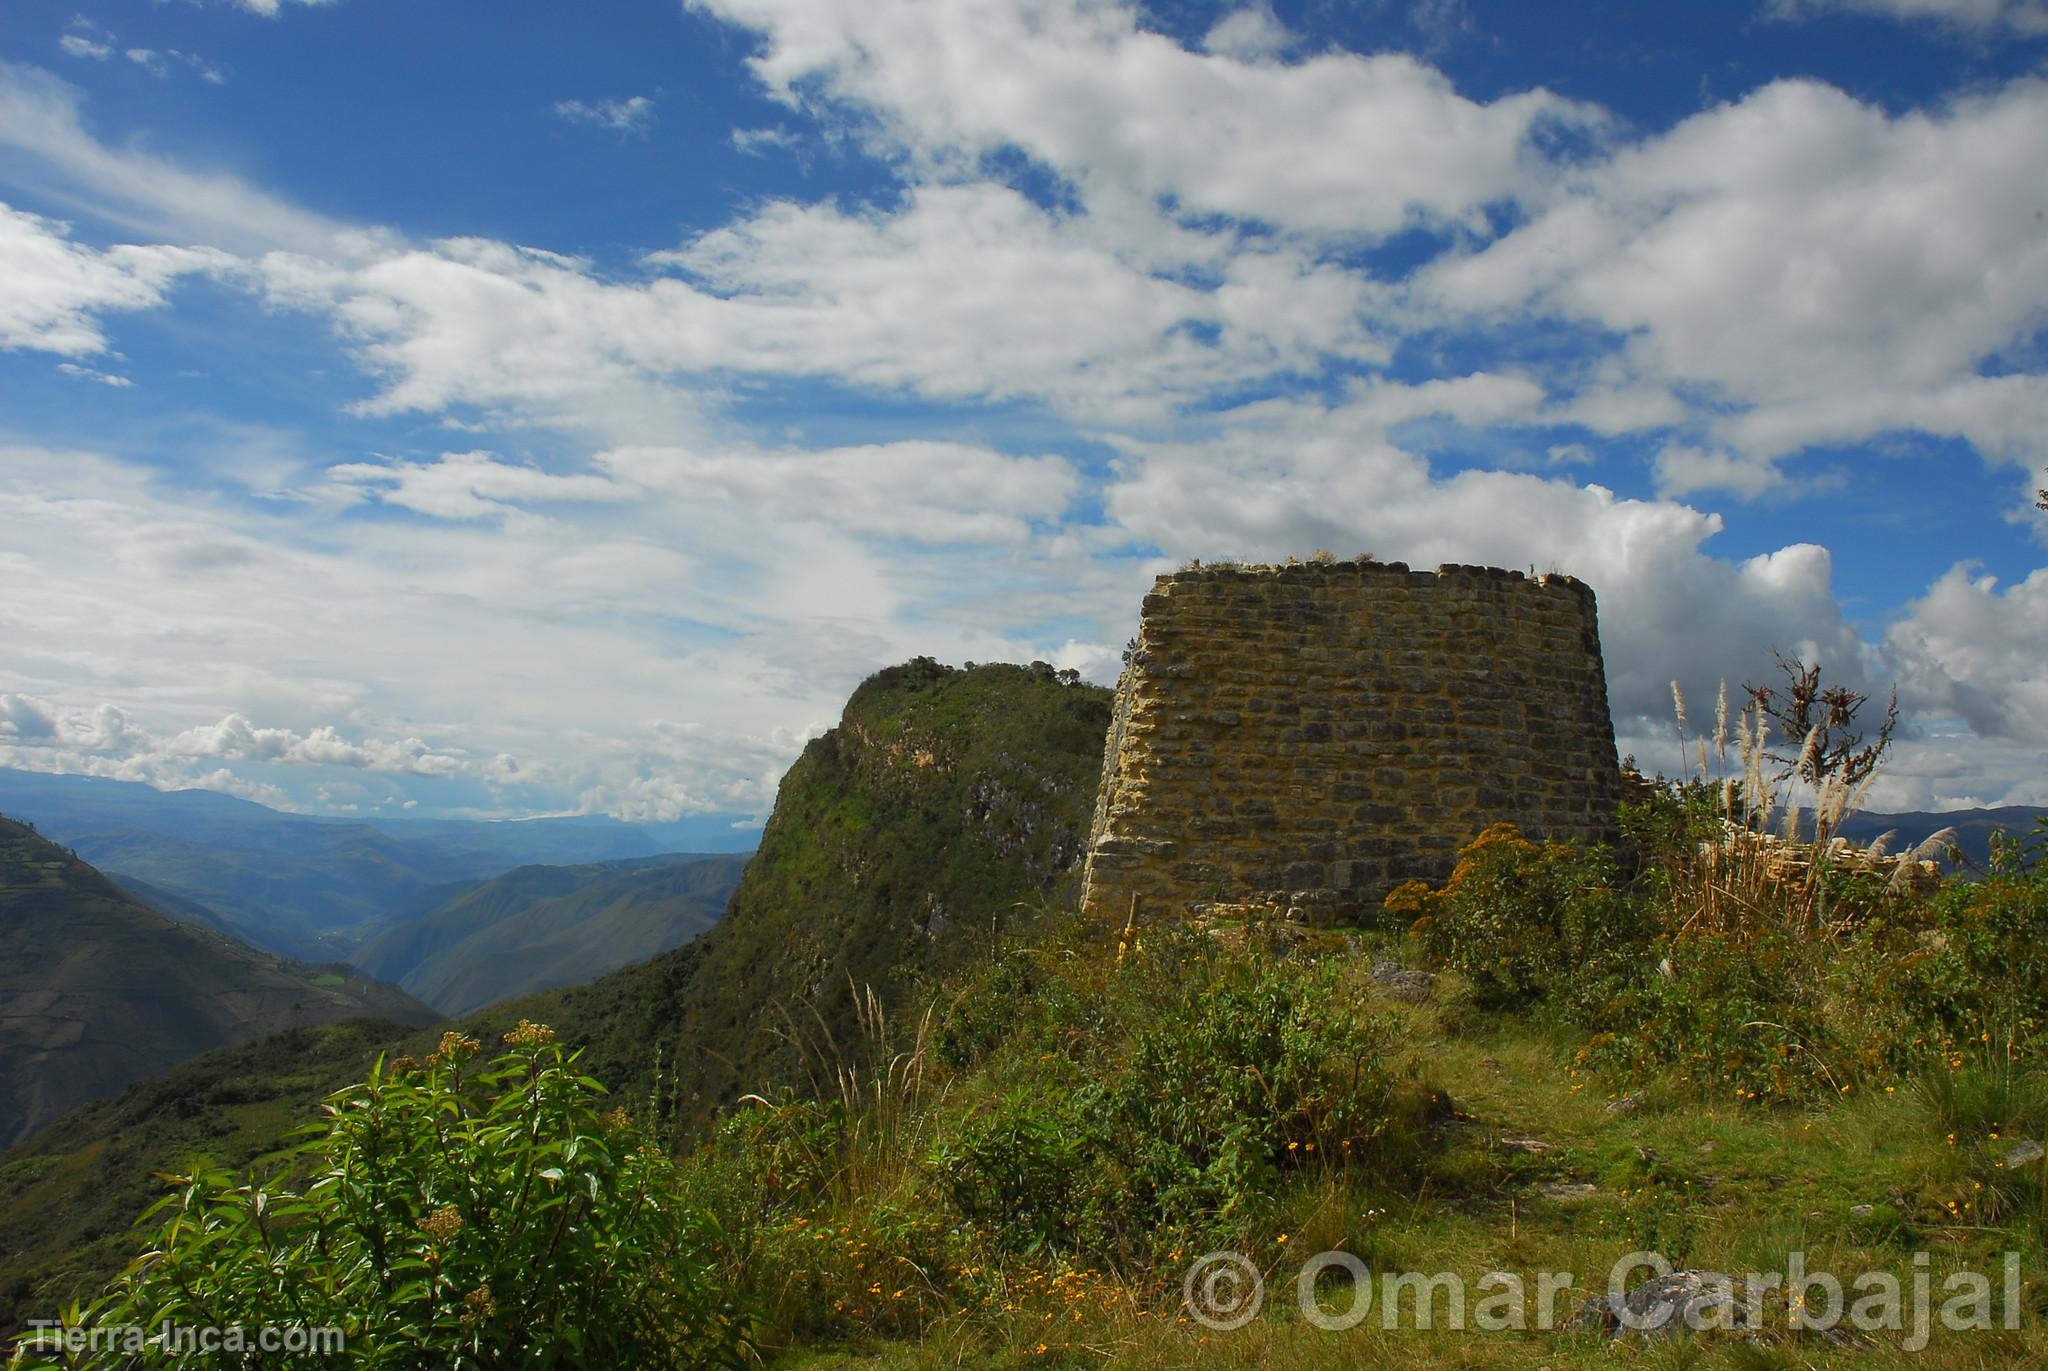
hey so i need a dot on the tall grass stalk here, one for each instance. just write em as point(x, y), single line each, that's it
point(1747, 877)
point(879, 1079)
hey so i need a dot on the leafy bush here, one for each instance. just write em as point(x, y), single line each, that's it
point(1726, 1013)
point(1214, 1075)
point(1017, 1169)
point(1980, 965)
point(453, 1217)
point(1525, 922)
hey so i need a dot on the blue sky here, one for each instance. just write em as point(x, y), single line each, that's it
point(521, 409)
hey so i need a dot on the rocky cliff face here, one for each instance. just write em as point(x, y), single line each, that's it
point(946, 806)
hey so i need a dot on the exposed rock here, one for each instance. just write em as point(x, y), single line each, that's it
point(1567, 1192)
point(1666, 1306)
point(1627, 1104)
point(1400, 983)
point(2025, 1152)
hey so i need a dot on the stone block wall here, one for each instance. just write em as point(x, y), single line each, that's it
point(1311, 735)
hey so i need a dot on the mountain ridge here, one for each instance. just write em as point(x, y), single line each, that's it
point(98, 990)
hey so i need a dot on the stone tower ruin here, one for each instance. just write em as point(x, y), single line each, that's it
point(1311, 735)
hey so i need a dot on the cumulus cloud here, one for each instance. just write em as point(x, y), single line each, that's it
point(1297, 478)
point(1120, 110)
point(234, 738)
point(110, 733)
point(52, 290)
point(635, 114)
point(1823, 269)
point(1974, 652)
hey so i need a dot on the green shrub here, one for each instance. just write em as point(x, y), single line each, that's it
point(1980, 965)
point(1525, 922)
point(1210, 1076)
point(1016, 1170)
point(1721, 1013)
point(451, 1217)
point(988, 1008)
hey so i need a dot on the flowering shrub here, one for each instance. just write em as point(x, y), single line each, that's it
point(1525, 921)
point(453, 1214)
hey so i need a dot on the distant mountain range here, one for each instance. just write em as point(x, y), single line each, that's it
point(1974, 828)
point(97, 990)
point(538, 927)
point(312, 888)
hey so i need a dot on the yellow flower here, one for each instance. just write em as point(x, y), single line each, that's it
point(454, 1048)
point(478, 1306)
point(530, 1034)
point(443, 1224)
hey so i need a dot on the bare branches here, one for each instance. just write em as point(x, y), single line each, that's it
point(1823, 720)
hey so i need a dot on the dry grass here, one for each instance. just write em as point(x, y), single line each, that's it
point(1780, 851)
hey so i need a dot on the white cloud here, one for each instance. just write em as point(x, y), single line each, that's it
point(85, 39)
point(920, 492)
point(1296, 479)
point(1684, 470)
point(158, 64)
point(635, 114)
point(1123, 111)
point(1825, 270)
point(270, 9)
point(760, 142)
point(471, 485)
point(2025, 17)
point(1248, 34)
point(963, 292)
point(52, 289)
point(1974, 652)
point(105, 378)
point(234, 738)
point(39, 116)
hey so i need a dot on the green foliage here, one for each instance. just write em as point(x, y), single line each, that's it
point(1016, 1169)
point(1733, 963)
point(1980, 965)
point(1213, 1076)
point(1526, 922)
point(988, 1007)
point(1724, 1013)
point(449, 1217)
point(947, 808)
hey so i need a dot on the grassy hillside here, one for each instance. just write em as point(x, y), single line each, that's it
point(948, 807)
point(1081, 1120)
point(543, 926)
point(97, 991)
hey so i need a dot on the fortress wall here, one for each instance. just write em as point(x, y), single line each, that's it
point(1312, 735)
